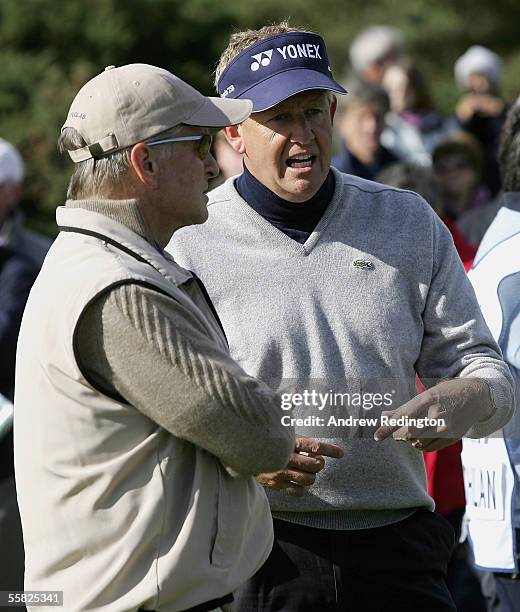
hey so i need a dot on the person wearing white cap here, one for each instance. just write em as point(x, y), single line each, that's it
point(136, 435)
point(375, 49)
point(341, 290)
point(21, 253)
point(481, 111)
point(479, 70)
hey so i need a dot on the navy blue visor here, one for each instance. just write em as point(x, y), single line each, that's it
point(277, 68)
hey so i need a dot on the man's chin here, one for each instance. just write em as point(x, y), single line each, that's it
point(199, 214)
point(301, 190)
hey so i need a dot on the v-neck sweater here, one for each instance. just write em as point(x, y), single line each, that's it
point(296, 220)
point(375, 294)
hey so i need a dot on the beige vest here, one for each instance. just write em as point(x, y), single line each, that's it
point(116, 512)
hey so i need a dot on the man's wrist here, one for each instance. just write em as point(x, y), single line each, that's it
point(488, 407)
point(481, 399)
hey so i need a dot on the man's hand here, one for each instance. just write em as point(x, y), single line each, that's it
point(460, 403)
point(471, 103)
point(300, 473)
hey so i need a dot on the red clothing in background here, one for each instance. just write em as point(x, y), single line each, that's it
point(444, 468)
point(465, 249)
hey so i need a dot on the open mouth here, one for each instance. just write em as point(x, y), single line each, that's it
point(301, 161)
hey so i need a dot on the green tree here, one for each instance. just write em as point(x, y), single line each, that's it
point(49, 49)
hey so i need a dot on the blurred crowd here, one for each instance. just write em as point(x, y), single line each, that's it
point(387, 130)
point(399, 124)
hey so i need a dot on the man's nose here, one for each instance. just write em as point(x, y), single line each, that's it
point(301, 131)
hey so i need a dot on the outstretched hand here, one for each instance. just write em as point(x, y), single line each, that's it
point(453, 406)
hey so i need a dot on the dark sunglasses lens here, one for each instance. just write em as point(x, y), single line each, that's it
point(205, 145)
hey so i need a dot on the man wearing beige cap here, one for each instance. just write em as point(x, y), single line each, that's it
point(136, 435)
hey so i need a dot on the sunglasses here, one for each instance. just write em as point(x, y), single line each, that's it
point(203, 148)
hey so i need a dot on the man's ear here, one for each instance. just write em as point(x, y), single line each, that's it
point(145, 166)
point(233, 135)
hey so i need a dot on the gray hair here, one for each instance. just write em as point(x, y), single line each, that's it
point(101, 177)
point(374, 44)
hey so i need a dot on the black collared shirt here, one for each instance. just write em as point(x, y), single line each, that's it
point(296, 220)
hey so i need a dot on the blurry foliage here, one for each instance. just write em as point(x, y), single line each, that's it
point(50, 48)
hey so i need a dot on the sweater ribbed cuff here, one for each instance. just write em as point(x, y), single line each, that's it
point(503, 405)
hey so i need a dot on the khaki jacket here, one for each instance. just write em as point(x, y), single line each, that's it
point(117, 512)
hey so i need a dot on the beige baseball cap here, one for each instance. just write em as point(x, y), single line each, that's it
point(126, 105)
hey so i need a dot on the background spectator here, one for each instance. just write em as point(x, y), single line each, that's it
point(359, 120)
point(373, 50)
point(457, 162)
point(21, 255)
point(421, 179)
point(414, 126)
point(481, 110)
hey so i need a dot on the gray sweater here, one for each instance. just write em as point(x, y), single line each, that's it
point(316, 316)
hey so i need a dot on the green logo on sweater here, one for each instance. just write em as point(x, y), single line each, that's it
point(363, 264)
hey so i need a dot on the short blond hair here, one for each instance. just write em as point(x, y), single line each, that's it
point(242, 40)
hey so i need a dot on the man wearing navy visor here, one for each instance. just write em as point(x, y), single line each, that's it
point(330, 285)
